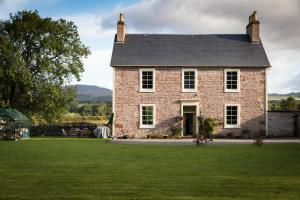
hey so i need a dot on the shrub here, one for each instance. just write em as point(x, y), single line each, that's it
point(206, 129)
point(259, 138)
point(176, 130)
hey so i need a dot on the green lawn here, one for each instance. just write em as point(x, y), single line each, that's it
point(93, 169)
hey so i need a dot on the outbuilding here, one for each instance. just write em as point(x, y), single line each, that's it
point(13, 124)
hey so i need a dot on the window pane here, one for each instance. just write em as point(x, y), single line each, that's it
point(232, 80)
point(233, 121)
point(147, 79)
point(147, 115)
point(189, 80)
point(231, 115)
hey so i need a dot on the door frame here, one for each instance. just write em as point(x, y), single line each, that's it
point(189, 103)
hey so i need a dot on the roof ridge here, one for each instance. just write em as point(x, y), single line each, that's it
point(169, 34)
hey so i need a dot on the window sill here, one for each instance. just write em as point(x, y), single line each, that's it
point(147, 126)
point(147, 91)
point(232, 126)
point(231, 91)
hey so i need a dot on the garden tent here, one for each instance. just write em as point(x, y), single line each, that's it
point(13, 124)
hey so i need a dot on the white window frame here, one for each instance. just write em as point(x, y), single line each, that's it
point(182, 80)
point(238, 80)
point(141, 79)
point(238, 125)
point(141, 116)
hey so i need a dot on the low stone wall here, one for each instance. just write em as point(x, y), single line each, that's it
point(283, 124)
point(298, 126)
point(56, 129)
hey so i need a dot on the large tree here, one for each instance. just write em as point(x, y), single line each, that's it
point(38, 56)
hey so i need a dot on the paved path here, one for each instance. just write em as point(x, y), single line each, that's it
point(190, 141)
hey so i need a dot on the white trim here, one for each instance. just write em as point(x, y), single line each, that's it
point(154, 116)
point(238, 125)
point(182, 80)
point(238, 81)
point(266, 102)
point(197, 114)
point(113, 101)
point(141, 81)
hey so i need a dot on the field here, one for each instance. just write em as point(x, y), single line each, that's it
point(58, 168)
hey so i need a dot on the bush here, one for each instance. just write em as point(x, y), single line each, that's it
point(259, 138)
point(206, 129)
point(176, 128)
point(176, 131)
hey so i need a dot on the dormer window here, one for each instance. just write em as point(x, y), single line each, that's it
point(147, 80)
point(232, 80)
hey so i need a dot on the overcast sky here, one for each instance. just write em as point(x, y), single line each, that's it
point(96, 21)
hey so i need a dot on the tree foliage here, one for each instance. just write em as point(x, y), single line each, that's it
point(38, 56)
point(289, 104)
point(95, 109)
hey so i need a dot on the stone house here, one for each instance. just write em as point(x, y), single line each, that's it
point(160, 78)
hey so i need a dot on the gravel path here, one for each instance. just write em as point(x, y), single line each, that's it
point(190, 141)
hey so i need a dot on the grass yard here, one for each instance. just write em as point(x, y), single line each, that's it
point(49, 168)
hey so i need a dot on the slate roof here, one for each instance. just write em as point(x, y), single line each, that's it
point(230, 50)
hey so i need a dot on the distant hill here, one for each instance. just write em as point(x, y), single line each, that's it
point(276, 96)
point(92, 93)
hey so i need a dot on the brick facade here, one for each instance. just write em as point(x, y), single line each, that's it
point(167, 97)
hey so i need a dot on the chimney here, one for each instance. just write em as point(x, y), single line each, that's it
point(252, 28)
point(121, 29)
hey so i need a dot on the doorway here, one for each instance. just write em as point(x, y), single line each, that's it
point(189, 121)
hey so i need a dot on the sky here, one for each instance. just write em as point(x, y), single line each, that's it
point(96, 22)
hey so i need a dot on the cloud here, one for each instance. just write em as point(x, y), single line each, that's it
point(100, 41)
point(278, 18)
point(97, 69)
point(279, 26)
point(294, 83)
point(89, 26)
point(12, 6)
point(8, 6)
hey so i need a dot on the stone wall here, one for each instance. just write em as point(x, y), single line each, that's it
point(283, 124)
point(211, 98)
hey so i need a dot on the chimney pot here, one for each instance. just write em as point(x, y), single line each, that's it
point(121, 17)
